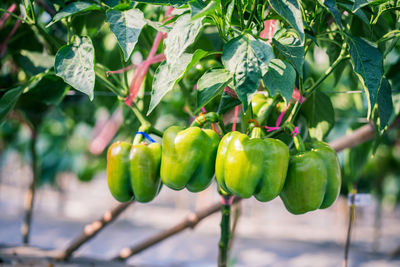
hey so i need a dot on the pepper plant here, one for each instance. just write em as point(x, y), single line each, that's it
point(201, 60)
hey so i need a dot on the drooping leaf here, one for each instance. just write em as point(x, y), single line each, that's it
point(34, 63)
point(293, 50)
point(211, 84)
point(75, 64)
point(319, 113)
point(367, 62)
point(332, 8)
point(126, 26)
point(280, 78)
point(8, 100)
point(290, 11)
point(182, 35)
point(72, 9)
point(247, 59)
point(385, 103)
point(169, 74)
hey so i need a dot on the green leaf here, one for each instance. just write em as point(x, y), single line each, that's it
point(247, 59)
point(72, 9)
point(359, 13)
point(75, 64)
point(360, 3)
point(209, 9)
point(34, 63)
point(290, 11)
point(367, 62)
point(293, 50)
point(8, 100)
point(169, 74)
point(319, 113)
point(164, 2)
point(280, 78)
point(227, 102)
point(385, 103)
point(182, 35)
point(211, 84)
point(332, 8)
point(126, 26)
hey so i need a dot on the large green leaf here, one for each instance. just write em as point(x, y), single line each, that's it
point(293, 50)
point(280, 78)
point(332, 8)
point(385, 103)
point(169, 74)
point(290, 11)
point(126, 26)
point(367, 62)
point(72, 9)
point(319, 113)
point(75, 64)
point(8, 100)
point(182, 35)
point(211, 84)
point(247, 59)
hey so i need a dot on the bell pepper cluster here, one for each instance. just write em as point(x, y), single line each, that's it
point(306, 180)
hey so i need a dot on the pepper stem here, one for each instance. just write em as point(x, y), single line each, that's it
point(202, 119)
point(138, 137)
point(298, 141)
point(256, 132)
point(225, 231)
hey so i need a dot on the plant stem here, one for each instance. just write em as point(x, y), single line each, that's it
point(340, 58)
point(253, 10)
point(106, 82)
point(30, 196)
point(240, 11)
point(225, 232)
point(140, 116)
point(351, 220)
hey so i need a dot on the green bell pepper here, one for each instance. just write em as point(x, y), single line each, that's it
point(188, 158)
point(133, 171)
point(251, 166)
point(313, 180)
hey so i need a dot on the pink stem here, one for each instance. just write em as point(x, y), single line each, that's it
point(5, 16)
point(235, 117)
point(120, 70)
point(143, 67)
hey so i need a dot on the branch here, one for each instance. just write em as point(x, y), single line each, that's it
point(190, 222)
point(90, 230)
